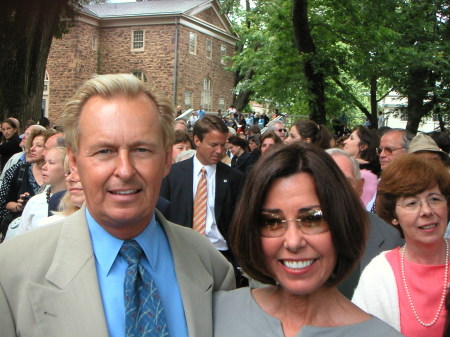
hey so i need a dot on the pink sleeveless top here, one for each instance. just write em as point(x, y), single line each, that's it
point(425, 284)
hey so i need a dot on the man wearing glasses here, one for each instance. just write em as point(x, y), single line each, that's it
point(393, 144)
point(279, 128)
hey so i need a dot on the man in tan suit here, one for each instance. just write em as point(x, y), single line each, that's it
point(67, 279)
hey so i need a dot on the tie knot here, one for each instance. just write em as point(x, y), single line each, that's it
point(203, 170)
point(131, 251)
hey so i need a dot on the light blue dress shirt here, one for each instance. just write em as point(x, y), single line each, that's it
point(111, 268)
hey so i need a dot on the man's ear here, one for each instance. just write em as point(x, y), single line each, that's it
point(168, 162)
point(196, 140)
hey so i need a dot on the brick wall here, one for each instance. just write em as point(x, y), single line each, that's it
point(156, 61)
point(71, 61)
point(210, 16)
point(194, 68)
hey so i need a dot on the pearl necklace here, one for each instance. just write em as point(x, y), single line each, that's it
point(441, 304)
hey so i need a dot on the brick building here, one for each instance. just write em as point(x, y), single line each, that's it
point(179, 46)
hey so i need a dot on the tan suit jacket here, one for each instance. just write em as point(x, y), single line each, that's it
point(49, 287)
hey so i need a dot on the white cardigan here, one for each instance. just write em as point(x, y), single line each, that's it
point(377, 293)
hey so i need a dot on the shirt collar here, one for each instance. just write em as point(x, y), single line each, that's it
point(210, 169)
point(106, 247)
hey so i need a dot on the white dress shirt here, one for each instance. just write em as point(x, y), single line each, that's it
point(212, 231)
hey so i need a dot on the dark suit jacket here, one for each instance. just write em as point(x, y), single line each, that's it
point(177, 187)
point(242, 163)
point(382, 236)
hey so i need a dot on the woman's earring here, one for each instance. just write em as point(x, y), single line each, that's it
point(394, 221)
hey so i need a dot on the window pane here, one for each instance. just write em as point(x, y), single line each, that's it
point(208, 48)
point(138, 39)
point(192, 43)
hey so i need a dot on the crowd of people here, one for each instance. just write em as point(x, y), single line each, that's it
point(200, 227)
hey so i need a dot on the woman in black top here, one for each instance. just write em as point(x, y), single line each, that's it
point(9, 143)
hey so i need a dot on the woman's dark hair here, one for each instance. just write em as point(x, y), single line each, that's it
point(369, 138)
point(271, 135)
point(183, 137)
point(238, 141)
point(255, 139)
point(340, 205)
point(318, 134)
point(407, 176)
point(14, 126)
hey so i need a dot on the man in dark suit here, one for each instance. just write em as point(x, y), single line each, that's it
point(382, 236)
point(224, 183)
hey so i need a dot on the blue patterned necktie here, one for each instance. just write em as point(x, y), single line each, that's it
point(144, 312)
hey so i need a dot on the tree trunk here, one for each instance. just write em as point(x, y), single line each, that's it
point(27, 29)
point(417, 94)
point(373, 102)
point(242, 99)
point(314, 76)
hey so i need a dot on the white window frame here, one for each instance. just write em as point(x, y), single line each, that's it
point(209, 48)
point(188, 97)
point(223, 54)
point(205, 100)
point(137, 42)
point(94, 44)
point(193, 43)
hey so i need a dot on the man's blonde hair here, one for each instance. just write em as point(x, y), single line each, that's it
point(108, 86)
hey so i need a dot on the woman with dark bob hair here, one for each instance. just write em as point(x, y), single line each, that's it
point(309, 132)
point(241, 157)
point(268, 140)
point(301, 229)
point(406, 286)
point(182, 142)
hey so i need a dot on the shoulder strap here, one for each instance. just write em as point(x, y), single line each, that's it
point(21, 174)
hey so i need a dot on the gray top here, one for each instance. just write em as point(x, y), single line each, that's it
point(236, 313)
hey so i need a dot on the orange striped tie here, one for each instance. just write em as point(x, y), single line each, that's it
point(200, 203)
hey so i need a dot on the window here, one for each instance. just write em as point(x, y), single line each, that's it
point(46, 82)
point(45, 95)
point(223, 53)
point(193, 43)
point(222, 105)
point(140, 75)
point(138, 40)
point(94, 44)
point(188, 99)
point(206, 94)
point(209, 48)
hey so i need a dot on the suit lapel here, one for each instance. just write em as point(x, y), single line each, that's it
point(196, 284)
point(221, 190)
point(188, 187)
point(69, 303)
